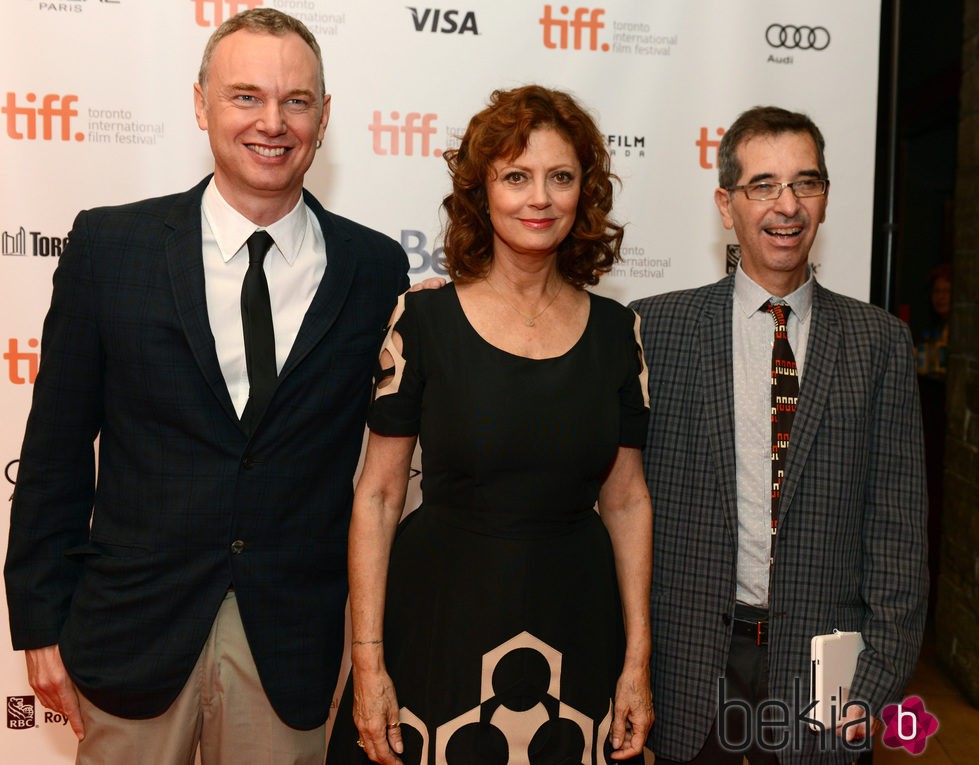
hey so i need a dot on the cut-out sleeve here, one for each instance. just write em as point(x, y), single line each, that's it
point(396, 408)
point(634, 393)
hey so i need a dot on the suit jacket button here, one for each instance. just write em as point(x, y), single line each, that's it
point(248, 463)
point(237, 546)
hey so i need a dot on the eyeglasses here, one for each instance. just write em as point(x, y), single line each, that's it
point(767, 191)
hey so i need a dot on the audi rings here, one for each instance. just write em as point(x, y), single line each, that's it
point(797, 38)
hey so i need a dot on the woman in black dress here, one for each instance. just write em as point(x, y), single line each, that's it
point(505, 621)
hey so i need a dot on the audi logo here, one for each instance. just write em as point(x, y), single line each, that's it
point(10, 471)
point(799, 38)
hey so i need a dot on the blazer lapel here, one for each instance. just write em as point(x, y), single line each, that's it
point(825, 335)
point(331, 294)
point(185, 263)
point(716, 355)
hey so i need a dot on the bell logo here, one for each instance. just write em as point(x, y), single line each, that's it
point(420, 260)
point(582, 20)
point(18, 359)
point(55, 110)
point(20, 712)
point(387, 136)
point(212, 13)
point(708, 148)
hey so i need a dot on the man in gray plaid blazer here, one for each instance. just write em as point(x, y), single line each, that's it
point(732, 616)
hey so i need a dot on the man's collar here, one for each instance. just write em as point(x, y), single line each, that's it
point(231, 229)
point(751, 296)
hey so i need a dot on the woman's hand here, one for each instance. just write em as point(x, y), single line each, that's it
point(376, 716)
point(632, 712)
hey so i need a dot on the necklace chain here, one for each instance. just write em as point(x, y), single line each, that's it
point(529, 321)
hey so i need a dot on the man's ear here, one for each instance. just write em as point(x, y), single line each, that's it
point(722, 198)
point(200, 106)
point(325, 118)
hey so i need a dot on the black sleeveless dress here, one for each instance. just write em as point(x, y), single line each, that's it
point(503, 626)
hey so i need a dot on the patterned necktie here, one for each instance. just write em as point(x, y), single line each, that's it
point(256, 323)
point(785, 396)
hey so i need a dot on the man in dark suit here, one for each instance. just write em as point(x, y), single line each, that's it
point(749, 562)
point(192, 588)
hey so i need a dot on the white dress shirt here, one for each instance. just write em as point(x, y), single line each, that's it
point(294, 268)
point(754, 336)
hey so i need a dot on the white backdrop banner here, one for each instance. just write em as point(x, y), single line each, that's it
point(96, 108)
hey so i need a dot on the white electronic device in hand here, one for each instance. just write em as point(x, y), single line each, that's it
point(834, 659)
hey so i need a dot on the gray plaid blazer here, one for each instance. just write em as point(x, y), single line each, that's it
point(851, 549)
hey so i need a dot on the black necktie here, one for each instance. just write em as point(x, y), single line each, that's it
point(256, 322)
point(785, 397)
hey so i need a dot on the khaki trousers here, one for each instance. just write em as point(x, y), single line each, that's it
point(222, 710)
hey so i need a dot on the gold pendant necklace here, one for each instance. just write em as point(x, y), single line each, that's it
point(529, 321)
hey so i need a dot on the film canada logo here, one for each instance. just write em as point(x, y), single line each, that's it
point(624, 145)
point(21, 712)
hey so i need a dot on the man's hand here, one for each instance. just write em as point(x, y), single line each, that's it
point(431, 283)
point(856, 731)
point(48, 677)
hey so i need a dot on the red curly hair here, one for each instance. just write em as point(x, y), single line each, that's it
point(501, 131)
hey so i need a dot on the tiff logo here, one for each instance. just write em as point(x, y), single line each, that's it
point(209, 13)
point(708, 148)
point(17, 360)
point(55, 111)
point(430, 18)
point(584, 19)
point(387, 136)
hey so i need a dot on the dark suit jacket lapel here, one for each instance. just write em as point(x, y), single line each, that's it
point(825, 334)
point(185, 262)
point(716, 354)
point(341, 264)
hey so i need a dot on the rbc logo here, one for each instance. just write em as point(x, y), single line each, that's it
point(584, 19)
point(387, 136)
point(708, 148)
point(55, 109)
point(20, 712)
point(220, 10)
point(430, 17)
